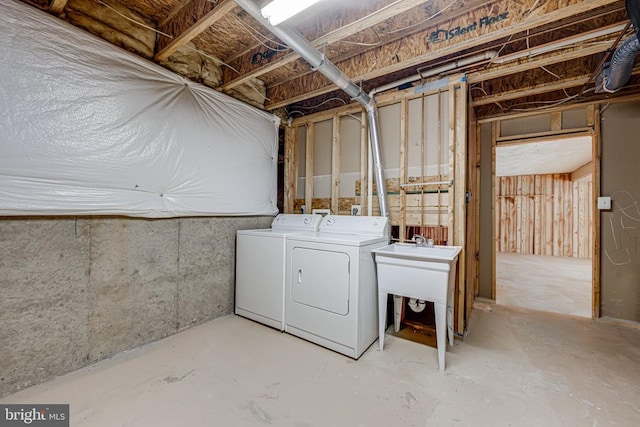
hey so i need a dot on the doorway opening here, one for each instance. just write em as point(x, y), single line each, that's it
point(543, 227)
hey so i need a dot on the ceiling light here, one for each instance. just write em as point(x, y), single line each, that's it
point(280, 10)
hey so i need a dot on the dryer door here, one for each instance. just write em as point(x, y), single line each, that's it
point(320, 279)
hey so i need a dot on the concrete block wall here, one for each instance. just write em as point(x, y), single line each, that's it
point(78, 290)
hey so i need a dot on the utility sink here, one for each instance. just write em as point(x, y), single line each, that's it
point(421, 272)
point(422, 253)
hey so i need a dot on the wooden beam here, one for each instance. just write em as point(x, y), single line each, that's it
point(308, 191)
point(594, 120)
point(335, 165)
point(429, 43)
point(248, 68)
point(221, 8)
point(579, 50)
point(364, 163)
point(57, 6)
point(290, 167)
point(404, 166)
point(532, 90)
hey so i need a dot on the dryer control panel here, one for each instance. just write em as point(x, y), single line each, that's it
point(299, 222)
point(363, 225)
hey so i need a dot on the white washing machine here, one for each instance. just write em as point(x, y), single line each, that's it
point(331, 289)
point(260, 268)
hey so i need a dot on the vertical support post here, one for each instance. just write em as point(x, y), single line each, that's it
point(335, 166)
point(308, 192)
point(290, 167)
point(495, 126)
point(460, 186)
point(364, 163)
point(556, 120)
point(594, 122)
point(404, 173)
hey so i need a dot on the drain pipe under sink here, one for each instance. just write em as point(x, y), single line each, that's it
point(318, 62)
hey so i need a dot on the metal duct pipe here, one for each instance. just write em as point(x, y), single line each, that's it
point(484, 56)
point(616, 73)
point(319, 63)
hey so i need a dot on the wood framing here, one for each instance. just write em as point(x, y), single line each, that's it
point(335, 165)
point(57, 6)
point(594, 120)
point(219, 8)
point(290, 167)
point(364, 163)
point(404, 160)
point(308, 191)
point(423, 46)
point(249, 68)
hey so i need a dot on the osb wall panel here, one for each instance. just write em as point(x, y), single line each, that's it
point(537, 214)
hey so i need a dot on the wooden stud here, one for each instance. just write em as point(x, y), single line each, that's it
point(594, 120)
point(290, 167)
point(364, 163)
point(335, 165)
point(556, 120)
point(308, 192)
point(494, 132)
point(404, 158)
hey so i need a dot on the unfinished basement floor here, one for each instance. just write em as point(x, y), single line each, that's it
point(515, 368)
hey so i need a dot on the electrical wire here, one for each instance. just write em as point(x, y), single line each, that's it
point(133, 20)
point(252, 32)
point(440, 12)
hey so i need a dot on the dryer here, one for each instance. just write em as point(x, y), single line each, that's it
point(260, 268)
point(330, 287)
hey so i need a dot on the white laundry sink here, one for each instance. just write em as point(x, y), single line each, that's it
point(425, 273)
point(422, 253)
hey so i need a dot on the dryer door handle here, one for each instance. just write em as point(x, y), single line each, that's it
point(300, 276)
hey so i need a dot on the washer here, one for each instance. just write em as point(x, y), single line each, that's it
point(331, 289)
point(260, 268)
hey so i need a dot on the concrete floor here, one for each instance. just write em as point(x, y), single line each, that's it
point(515, 368)
point(546, 283)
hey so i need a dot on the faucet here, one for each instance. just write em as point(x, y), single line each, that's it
point(422, 241)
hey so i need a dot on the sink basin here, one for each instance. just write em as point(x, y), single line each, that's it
point(424, 273)
point(424, 253)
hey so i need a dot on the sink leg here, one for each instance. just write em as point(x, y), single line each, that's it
point(382, 318)
point(397, 312)
point(441, 332)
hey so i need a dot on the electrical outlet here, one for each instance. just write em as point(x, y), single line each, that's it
point(604, 203)
point(356, 210)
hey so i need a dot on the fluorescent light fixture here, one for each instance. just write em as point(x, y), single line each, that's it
point(279, 11)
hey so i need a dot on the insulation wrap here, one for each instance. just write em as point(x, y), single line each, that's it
point(87, 128)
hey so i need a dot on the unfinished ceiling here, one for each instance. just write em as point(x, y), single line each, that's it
point(543, 157)
point(548, 51)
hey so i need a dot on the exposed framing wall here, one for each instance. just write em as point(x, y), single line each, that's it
point(424, 196)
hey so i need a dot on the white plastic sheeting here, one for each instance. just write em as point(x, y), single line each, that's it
point(88, 128)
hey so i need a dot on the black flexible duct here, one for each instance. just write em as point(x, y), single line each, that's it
point(617, 72)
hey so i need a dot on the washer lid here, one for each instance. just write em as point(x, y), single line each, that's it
point(301, 222)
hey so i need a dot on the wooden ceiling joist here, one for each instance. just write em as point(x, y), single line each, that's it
point(57, 6)
point(249, 70)
point(484, 25)
point(219, 10)
point(523, 92)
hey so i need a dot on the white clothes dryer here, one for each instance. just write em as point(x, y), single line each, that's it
point(331, 288)
point(260, 268)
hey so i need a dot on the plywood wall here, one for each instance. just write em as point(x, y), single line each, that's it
point(544, 215)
